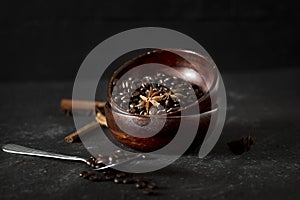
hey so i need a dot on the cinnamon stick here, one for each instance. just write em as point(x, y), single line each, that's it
point(100, 120)
point(68, 105)
point(73, 137)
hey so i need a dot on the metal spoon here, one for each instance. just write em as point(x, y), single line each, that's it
point(17, 149)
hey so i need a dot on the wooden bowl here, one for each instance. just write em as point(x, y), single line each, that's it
point(194, 68)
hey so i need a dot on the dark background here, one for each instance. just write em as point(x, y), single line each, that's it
point(255, 45)
point(47, 40)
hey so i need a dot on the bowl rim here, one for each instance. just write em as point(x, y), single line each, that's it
point(173, 50)
point(165, 116)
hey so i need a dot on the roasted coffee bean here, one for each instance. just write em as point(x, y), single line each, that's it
point(121, 175)
point(89, 161)
point(153, 111)
point(141, 184)
point(86, 176)
point(99, 161)
point(109, 177)
point(95, 178)
point(127, 99)
point(151, 185)
point(106, 171)
point(148, 191)
point(97, 166)
point(128, 180)
point(83, 173)
point(118, 180)
point(111, 159)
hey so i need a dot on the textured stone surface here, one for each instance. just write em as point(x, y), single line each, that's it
point(263, 104)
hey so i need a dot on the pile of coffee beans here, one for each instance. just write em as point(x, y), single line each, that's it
point(147, 186)
point(176, 93)
point(103, 160)
point(115, 176)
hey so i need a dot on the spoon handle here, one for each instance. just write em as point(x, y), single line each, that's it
point(17, 149)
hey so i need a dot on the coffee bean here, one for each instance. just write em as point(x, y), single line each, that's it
point(95, 178)
point(152, 111)
point(121, 175)
point(135, 93)
point(86, 176)
point(151, 185)
point(128, 180)
point(109, 177)
point(99, 161)
point(141, 184)
point(118, 180)
point(166, 80)
point(83, 173)
point(148, 191)
point(97, 166)
point(111, 159)
point(179, 88)
point(123, 98)
point(91, 162)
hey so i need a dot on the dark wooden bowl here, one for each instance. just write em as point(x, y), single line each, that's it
point(195, 69)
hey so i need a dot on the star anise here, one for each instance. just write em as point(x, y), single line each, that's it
point(152, 97)
point(170, 96)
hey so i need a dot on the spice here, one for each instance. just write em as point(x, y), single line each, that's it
point(68, 105)
point(100, 120)
point(153, 98)
point(154, 95)
point(73, 137)
point(242, 145)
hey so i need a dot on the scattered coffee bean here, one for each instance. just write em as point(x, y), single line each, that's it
point(95, 178)
point(147, 186)
point(109, 177)
point(128, 180)
point(118, 180)
point(121, 175)
point(149, 191)
point(151, 185)
point(242, 145)
point(88, 175)
point(141, 184)
point(83, 173)
point(91, 162)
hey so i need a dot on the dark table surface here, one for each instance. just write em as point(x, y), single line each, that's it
point(264, 104)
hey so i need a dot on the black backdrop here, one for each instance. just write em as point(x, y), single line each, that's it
point(47, 40)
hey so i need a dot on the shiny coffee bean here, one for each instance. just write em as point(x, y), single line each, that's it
point(151, 185)
point(121, 175)
point(83, 173)
point(128, 180)
point(90, 162)
point(118, 180)
point(141, 184)
point(97, 166)
point(148, 191)
point(109, 177)
point(95, 178)
point(86, 176)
